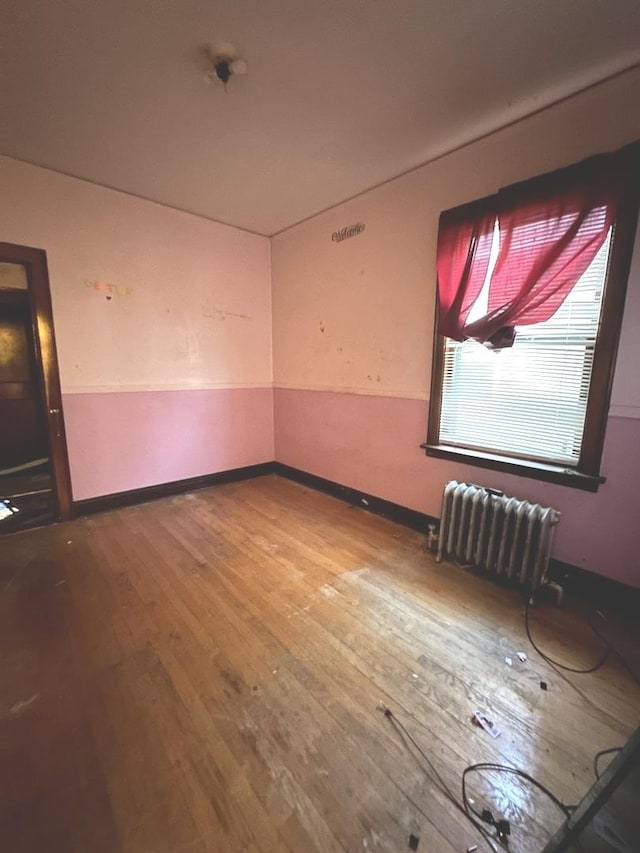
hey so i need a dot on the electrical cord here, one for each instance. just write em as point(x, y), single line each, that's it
point(514, 771)
point(599, 755)
point(442, 784)
point(609, 648)
point(600, 661)
point(476, 818)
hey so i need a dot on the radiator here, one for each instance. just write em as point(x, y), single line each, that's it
point(485, 528)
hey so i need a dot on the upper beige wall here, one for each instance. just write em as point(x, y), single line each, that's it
point(192, 305)
point(358, 315)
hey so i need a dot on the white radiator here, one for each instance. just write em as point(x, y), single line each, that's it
point(487, 529)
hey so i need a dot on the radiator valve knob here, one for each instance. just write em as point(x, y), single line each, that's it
point(432, 538)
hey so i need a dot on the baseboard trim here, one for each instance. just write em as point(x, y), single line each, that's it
point(600, 590)
point(163, 490)
point(379, 506)
point(585, 584)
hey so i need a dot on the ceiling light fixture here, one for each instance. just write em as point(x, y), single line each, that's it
point(225, 69)
point(222, 65)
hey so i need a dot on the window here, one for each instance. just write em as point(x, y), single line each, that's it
point(537, 407)
point(537, 390)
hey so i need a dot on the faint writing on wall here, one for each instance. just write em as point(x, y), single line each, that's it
point(222, 314)
point(108, 289)
point(347, 231)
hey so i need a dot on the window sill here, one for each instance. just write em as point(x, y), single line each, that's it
point(522, 467)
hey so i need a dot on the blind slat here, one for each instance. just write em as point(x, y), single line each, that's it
point(529, 400)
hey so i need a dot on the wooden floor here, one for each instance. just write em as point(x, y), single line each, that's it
point(202, 673)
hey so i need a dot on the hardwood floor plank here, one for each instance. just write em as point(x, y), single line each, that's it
point(242, 686)
point(381, 688)
point(202, 673)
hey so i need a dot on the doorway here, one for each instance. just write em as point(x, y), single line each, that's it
point(35, 486)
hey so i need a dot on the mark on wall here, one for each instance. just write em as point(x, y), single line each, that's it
point(222, 314)
point(109, 289)
point(348, 231)
point(322, 327)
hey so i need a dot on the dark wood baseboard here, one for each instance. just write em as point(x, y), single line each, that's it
point(596, 588)
point(601, 591)
point(163, 490)
point(588, 585)
point(395, 512)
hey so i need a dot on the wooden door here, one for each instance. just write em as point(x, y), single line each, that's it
point(31, 416)
point(23, 428)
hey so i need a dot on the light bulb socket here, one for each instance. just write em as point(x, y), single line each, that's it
point(223, 70)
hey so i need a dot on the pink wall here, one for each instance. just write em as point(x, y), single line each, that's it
point(168, 375)
point(129, 440)
point(372, 444)
point(353, 334)
point(172, 377)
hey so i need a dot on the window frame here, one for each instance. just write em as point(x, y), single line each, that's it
point(586, 474)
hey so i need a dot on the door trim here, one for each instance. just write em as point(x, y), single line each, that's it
point(35, 264)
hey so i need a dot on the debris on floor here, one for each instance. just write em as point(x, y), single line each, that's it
point(522, 657)
point(480, 719)
point(543, 685)
point(472, 849)
point(327, 591)
point(20, 706)
point(414, 840)
point(7, 509)
point(508, 661)
point(432, 538)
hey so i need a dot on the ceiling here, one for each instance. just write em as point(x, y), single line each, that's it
point(340, 95)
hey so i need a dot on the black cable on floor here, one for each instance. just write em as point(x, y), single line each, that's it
point(599, 755)
point(442, 784)
point(475, 817)
point(514, 771)
point(608, 647)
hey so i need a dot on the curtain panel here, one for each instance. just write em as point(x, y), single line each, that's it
point(549, 229)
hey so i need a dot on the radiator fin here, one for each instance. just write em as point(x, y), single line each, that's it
point(503, 535)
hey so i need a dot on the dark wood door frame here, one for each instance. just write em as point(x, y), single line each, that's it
point(35, 264)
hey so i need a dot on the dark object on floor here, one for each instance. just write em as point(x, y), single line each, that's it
point(608, 811)
point(503, 828)
point(607, 650)
point(7, 509)
point(578, 670)
point(19, 513)
point(599, 755)
point(414, 840)
point(543, 685)
point(463, 809)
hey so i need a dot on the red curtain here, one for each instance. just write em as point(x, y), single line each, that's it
point(550, 230)
point(464, 247)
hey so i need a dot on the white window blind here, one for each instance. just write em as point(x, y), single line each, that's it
point(527, 401)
